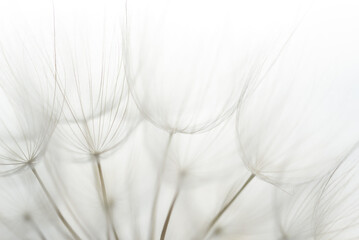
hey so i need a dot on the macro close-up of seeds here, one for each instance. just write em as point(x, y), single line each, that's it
point(179, 120)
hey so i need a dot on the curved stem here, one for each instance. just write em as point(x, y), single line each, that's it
point(170, 210)
point(32, 222)
point(225, 207)
point(57, 210)
point(158, 189)
point(65, 196)
point(105, 198)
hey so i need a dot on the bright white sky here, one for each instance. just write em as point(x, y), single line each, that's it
point(327, 35)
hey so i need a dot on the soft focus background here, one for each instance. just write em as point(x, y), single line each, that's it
point(189, 102)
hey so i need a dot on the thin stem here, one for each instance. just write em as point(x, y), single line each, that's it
point(61, 189)
point(158, 189)
point(57, 210)
point(225, 207)
point(170, 210)
point(31, 221)
point(105, 198)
